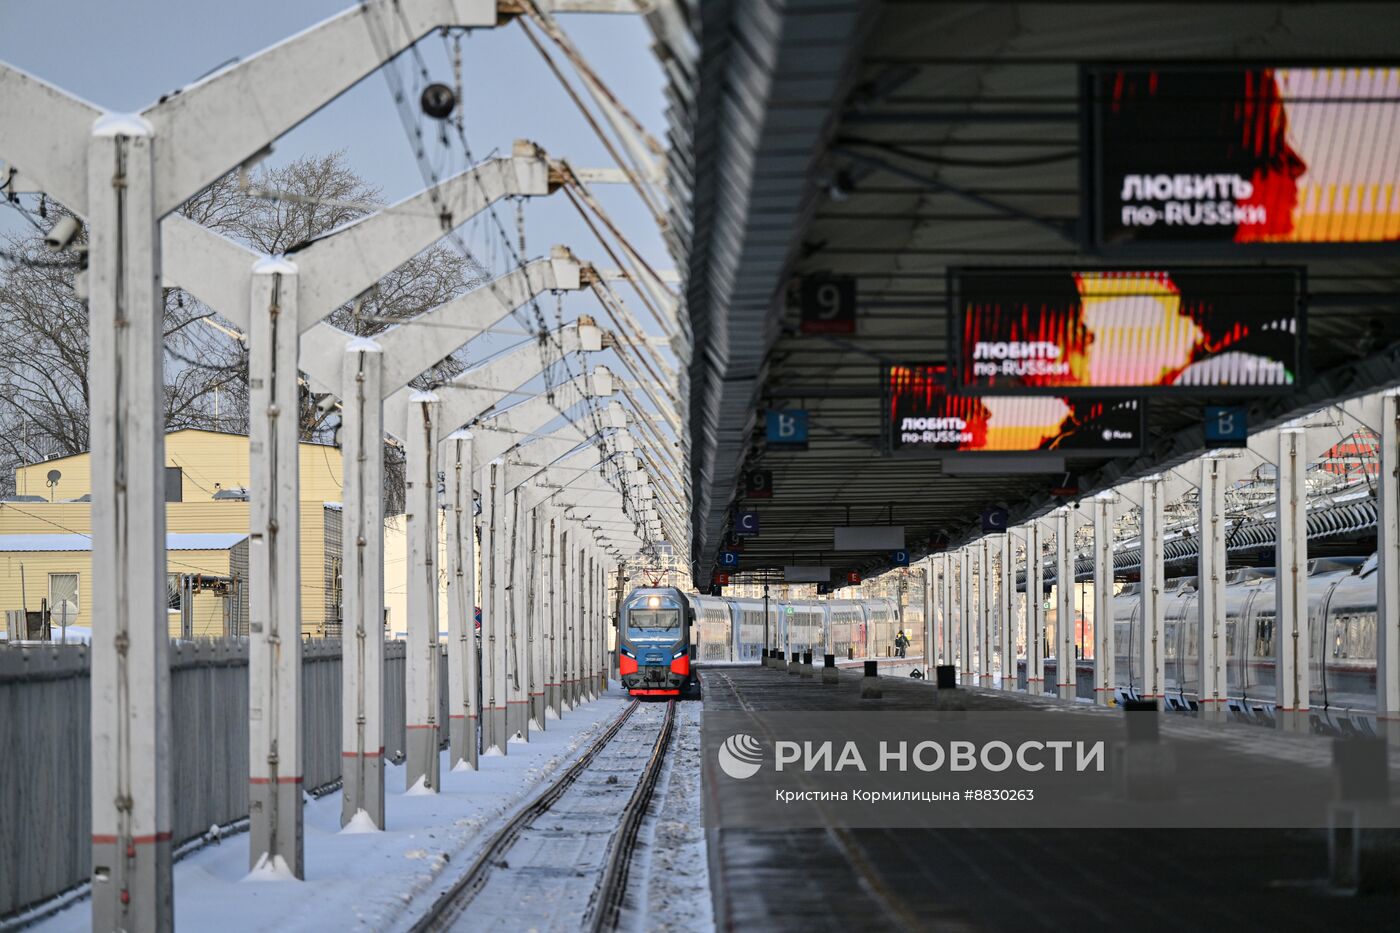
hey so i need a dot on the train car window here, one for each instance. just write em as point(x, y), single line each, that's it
point(1354, 636)
point(1230, 626)
point(1367, 645)
point(1339, 630)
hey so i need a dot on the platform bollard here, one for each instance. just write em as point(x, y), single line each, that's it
point(1359, 779)
point(870, 683)
point(829, 673)
point(947, 677)
point(794, 666)
point(1148, 767)
point(807, 670)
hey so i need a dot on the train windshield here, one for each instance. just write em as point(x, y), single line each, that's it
point(653, 618)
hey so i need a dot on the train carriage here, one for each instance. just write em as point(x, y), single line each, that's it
point(1342, 621)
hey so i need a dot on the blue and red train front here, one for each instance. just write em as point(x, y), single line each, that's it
point(654, 644)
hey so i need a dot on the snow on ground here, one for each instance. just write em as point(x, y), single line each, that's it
point(363, 880)
point(669, 886)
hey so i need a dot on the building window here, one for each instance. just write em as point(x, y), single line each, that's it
point(63, 598)
point(173, 591)
point(174, 484)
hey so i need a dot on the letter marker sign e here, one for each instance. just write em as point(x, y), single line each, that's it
point(787, 429)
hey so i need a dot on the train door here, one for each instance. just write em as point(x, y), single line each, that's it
point(1181, 659)
point(1318, 646)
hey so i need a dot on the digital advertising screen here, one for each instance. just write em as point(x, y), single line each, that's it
point(922, 416)
point(1251, 155)
point(1207, 331)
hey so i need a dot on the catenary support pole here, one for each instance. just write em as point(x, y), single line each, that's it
point(274, 573)
point(493, 614)
point(131, 806)
point(362, 584)
point(423, 764)
point(517, 625)
point(463, 675)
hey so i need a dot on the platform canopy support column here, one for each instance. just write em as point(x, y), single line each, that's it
point(929, 644)
point(1105, 679)
point(1291, 641)
point(1217, 473)
point(1006, 617)
point(966, 619)
point(1152, 630)
point(1066, 656)
point(986, 590)
point(1388, 550)
point(1035, 611)
point(947, 569)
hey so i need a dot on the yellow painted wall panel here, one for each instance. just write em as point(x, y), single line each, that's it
point(208, 461)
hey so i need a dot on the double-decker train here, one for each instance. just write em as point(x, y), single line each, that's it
point(1342, 619)
point(663, 633)
point(733, 629)
point(1342, 628)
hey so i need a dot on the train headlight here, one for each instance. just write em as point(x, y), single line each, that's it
point(627, 652)
point(677, 654)
point(653, 602)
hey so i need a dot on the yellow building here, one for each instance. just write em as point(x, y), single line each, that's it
point(207, 478)
point(46, 584)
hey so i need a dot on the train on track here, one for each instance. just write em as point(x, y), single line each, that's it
point(1342, 617)
point(663, 633)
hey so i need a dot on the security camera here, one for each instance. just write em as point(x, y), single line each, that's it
point(62, 233)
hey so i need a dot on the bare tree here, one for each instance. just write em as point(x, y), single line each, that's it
point(43, 324)
point(44, 398)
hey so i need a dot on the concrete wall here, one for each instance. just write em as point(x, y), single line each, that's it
point(46, 769)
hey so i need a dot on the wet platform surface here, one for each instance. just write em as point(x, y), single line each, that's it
point(1005, 879)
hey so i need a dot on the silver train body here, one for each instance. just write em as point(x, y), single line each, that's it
point(732, 629)
point(1342, 617)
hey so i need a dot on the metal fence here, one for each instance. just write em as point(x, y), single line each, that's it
point(46, 766)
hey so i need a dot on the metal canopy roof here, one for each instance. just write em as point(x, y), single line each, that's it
point(889, 142)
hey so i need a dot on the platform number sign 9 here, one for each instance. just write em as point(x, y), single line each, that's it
point(828, 305)
point(1227, 425)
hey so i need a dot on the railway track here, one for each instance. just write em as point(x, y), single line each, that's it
point(563, 861)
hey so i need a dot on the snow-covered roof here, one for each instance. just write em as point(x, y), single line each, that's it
point(220, 541)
